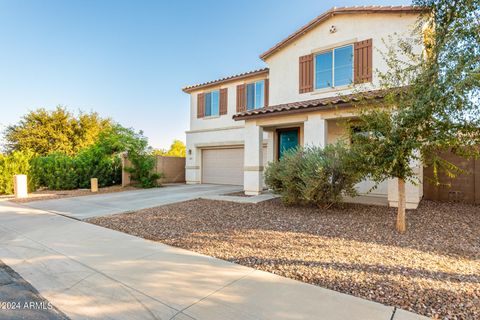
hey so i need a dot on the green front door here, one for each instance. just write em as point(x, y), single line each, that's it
point(287, 139)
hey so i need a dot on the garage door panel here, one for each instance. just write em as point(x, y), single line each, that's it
point(222, 166)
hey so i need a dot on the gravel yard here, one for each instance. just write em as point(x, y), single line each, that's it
point(59, 194)
point(434, 269)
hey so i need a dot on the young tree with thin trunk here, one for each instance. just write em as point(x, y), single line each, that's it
point(431, 100)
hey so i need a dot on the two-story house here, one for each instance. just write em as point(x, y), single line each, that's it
point(240, 123)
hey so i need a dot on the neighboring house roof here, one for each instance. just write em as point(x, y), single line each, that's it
point(311, 105)
point(240, 76)
point(336, 11)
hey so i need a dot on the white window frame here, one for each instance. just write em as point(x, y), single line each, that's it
point(254, 94)
point(333, 68)
point(205, 105)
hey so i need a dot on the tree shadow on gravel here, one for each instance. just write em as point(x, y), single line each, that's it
point(448, 229)
point(444, 229)
point(432, 269)
point(407, 292)
point(369, 268)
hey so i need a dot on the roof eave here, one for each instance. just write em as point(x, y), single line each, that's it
point(333, 11)
point(292, 111)
point(246, 75)
point(376, 97)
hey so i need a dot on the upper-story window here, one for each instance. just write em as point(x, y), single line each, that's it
point(255, 95)
point(212, 103)
point(334, 68)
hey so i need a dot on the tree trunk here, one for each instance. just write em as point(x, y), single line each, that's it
point(401, 225)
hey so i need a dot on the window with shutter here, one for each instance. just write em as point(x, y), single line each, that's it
point(255, 95)
point(334, 68)
point(212, 103)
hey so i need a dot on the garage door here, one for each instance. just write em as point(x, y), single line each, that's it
point(222, 166)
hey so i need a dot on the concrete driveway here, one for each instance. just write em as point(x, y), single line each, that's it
point(117, 202)
point(90, 272)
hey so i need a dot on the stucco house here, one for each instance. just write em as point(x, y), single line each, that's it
point(240, 123)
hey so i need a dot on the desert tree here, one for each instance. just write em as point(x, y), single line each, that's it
point(431, 98)
point(45, 131)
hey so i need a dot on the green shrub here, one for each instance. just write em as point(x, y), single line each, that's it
point(101, 160)
point(328, 174)
point(17, 162)
point(318, 176)
point(62, 172)
point(94, 163)
point(284, 176)
point(56, 172)
point(142, 169)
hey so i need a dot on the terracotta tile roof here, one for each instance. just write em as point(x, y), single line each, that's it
point(226, 79)
point(335, 11)
point(310, 105)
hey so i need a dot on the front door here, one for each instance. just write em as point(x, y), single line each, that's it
point(287, 140)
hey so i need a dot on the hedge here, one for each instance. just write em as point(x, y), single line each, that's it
point(59, 171)
point(15, 163)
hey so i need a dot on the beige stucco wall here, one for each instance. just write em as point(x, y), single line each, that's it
point(284, 71)
point(283, 76)
point(337, 131)
point(223, 120)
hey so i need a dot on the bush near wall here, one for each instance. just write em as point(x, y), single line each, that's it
point(59, 171)
point(314, 176)
point(94, 163)
point(142, 171)
point(55, 171)
point(62, 172)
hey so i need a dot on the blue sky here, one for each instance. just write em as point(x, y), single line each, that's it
point(129, 59)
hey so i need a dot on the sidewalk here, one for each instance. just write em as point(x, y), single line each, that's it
point(91, 272)
point(21, 301)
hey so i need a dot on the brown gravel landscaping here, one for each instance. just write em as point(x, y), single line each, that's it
point(433, 269)
point(58, 194)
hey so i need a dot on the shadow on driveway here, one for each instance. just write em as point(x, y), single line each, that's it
point(19, 300)
point(112, 203)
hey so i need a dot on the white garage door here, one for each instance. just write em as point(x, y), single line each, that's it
point(222, 166)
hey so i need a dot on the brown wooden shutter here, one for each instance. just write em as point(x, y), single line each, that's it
point(306, 73)
point(241, 99)
point(200, 105)
point(223, 101)
point(362, 59)
point(267, 88)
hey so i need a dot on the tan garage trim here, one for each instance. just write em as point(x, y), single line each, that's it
point(253, 168)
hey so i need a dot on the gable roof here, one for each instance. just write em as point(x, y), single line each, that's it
point(226, 79)
point(336, 11)
point(312, 105)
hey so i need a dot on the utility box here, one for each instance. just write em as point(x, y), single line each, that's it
point(20, 186)
point(94, 185)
